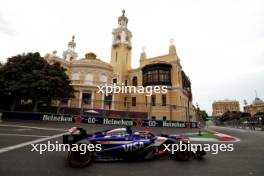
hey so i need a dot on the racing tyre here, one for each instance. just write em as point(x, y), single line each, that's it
point(183, 155)
point(76, 159)
point(199, 154)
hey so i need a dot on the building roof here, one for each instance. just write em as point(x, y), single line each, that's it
point(90, 60)
point(225, 101)
point(257, 101)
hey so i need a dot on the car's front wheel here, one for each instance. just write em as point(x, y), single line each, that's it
point(79, 159)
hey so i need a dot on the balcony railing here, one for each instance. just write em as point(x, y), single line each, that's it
point(87, 83)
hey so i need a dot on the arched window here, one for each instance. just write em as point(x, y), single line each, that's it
point(134, 101)
point(116, 56)
point(153, 100)
point(125, 101)
point(134, 81)
point(88, 79)
point(103, 78)
point(75, 76)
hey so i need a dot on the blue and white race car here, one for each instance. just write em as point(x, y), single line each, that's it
point(123, 144)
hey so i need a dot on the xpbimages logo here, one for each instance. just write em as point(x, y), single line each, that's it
point(116, 89)
point(57, 147)
point(187, 146)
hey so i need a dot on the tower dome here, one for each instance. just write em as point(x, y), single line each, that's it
point(123, 20)
point(121, 34)
point(257, 101)
point(70, 53)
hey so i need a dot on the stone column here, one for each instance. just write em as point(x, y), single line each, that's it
point(113, 102)
point(92, 100)
point(80, 99)
point(69, 103)
point(102, 103)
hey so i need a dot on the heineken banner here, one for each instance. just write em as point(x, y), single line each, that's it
point(137, 122)
point(38, 116)
point(97, 120)
point(58, 118)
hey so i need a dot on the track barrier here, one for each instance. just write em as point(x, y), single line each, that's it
point(97, 120)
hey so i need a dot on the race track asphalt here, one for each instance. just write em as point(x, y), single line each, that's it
point(246, 159)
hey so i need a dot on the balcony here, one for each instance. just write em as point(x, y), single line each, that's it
point(156, 74)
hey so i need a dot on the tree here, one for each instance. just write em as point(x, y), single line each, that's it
point(259, 114)
point(245, 114)
point(29, 76)
point(234, 115)
point(203, 114)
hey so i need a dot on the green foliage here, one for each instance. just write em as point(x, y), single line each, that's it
point(30, 76)
point(259, 114)
point(245, 114)
point(234, 115)
point(203, 114)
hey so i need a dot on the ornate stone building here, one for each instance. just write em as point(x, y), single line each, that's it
point(89, 72)
point(220, 107)
point(257, 106)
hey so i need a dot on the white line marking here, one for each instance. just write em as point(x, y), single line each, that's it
point(22, 135)
point(23, 129)
point(6, 149)
point(32, 127)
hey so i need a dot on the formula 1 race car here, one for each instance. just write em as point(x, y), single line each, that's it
point(124, 144)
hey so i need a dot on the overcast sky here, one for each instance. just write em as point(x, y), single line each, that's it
point(220, 42)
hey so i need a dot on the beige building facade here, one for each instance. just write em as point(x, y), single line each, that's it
point(88, 72)
point(222, 106)
point(257, 106)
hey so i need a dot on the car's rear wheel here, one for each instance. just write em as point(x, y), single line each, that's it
point(77, 159)
point(183, 155)
point(199, 153)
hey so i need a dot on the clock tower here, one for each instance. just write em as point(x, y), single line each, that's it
point(121, 50)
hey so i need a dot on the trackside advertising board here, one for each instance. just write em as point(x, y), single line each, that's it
point(138, 122)
point(97, 120)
